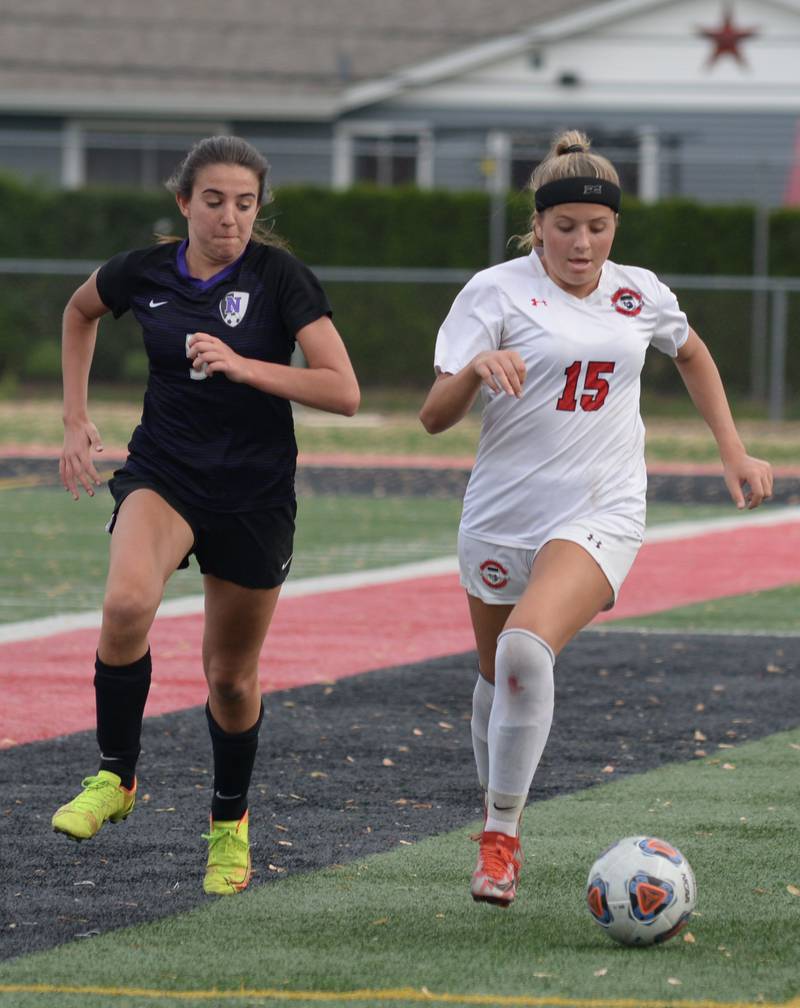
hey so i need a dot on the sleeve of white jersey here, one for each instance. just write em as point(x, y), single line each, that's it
point(474, 324)
point(672, 328)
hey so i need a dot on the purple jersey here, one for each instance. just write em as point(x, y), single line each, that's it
point(221, 445)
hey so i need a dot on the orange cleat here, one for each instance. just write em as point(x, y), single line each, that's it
point(497, 873)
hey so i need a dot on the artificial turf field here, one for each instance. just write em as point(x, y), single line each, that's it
point(363, 800)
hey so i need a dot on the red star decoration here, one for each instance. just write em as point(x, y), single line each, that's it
point(727, 39)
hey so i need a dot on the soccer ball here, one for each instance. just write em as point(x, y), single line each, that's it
point(641, 890)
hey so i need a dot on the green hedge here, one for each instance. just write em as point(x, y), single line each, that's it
point(389, 328)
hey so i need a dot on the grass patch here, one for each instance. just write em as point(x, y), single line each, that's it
point(387, 424)
point(337, 534)
point(404, 919)
point(776, 611)
point(388, 435)
point(661, 512)
point(37, 421)
point(55, 554)
point(54, 551)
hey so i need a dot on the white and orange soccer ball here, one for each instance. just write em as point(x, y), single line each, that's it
point(641, 890)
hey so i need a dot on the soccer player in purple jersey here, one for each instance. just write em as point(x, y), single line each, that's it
point(210, 470)
point(553, 515)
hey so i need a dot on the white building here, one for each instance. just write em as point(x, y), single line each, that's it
point(698, 98)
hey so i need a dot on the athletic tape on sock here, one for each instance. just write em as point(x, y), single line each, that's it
point(522, 711)
point(482, 697)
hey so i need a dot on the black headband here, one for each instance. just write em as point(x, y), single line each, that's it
point(578, 189)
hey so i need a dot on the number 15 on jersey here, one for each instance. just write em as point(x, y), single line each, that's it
point(595, 386)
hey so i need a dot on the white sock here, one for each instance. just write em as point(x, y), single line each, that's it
point(519, 724)
point(482, 698)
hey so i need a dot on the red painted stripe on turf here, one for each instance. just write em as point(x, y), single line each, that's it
point(714, 565)
point(48, 682)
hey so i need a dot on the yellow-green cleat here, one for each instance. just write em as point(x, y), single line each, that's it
point(229, 868)
point(103, 798)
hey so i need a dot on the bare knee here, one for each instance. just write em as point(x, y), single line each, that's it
point(229, 685)
point(128, 612)
point(228, 692)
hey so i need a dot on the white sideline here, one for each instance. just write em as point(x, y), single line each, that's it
point(685, 530)
point(193, 604)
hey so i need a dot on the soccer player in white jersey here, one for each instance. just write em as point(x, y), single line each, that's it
point(554, 510)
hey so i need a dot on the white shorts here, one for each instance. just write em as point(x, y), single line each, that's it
point(498, 575)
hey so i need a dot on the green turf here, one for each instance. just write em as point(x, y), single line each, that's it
point(54, 554)
point(405, 435)
point(659, 513)
point(54, 551)
point(336, 533)
point(404, 918)
point(388, 423)
point(775, 611)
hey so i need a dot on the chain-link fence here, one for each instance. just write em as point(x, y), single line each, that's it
point(389, 318)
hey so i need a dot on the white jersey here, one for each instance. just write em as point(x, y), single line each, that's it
point(573, 444)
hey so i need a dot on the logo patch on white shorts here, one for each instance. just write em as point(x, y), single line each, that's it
point(494, 574)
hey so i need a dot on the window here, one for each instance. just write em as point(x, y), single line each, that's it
point(132, 164)
point(621, 148)
point(383, 154)
point(141, 158)
point(386, 161)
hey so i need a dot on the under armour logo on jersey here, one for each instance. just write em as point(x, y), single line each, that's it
point(537, 301)
point(233, 306)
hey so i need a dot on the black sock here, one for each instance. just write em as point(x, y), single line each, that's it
point(120, 694)
point(234, 756)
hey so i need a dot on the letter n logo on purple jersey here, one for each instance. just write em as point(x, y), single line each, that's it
point(233, 306)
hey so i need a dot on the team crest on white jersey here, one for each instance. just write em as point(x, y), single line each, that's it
point(233, 306)
point(627, 301)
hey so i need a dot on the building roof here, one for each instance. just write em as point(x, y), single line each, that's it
point(268, 58)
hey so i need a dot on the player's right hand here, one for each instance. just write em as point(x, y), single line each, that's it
point(749, 481)
point(75, 465)
point(501, 371)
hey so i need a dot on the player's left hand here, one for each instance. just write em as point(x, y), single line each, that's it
point(749, 481)
point(217, 356)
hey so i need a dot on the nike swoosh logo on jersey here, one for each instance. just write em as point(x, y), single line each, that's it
point(156, 304)
point(285, 565)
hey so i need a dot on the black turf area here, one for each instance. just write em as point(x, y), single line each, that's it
point(422, 481)
point(623, 699)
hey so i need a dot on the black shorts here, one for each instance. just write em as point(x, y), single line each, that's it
point(250, 548)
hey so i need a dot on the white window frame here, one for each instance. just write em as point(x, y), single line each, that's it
point(649, 164)
point(346, 134)
point(75, 139)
